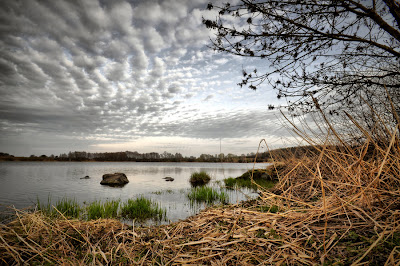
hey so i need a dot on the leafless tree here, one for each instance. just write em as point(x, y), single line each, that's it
point(327, 49)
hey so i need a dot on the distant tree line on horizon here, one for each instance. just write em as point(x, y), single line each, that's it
point(141, 157)
point(275, 154)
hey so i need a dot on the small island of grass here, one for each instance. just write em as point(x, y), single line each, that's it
point(199, 178)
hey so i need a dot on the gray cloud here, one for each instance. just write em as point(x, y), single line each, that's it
point(108, 70)
point(209, 97)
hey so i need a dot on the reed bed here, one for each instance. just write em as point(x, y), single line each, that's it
point(339, 205)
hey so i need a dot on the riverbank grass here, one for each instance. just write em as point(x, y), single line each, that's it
point(66, 207)
point(208, 195)
point(97, 209)
point(142, 209)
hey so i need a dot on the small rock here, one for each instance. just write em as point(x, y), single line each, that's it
point(168, 178)
point(86, 177)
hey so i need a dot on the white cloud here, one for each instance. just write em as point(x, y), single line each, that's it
point(221, 61)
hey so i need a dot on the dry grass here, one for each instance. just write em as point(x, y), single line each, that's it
point(338, 206)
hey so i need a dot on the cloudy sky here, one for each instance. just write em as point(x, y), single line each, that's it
point(99, 75)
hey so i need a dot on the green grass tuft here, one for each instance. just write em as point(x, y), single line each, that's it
point(108, 209)
point(46, 209)
point(111, 208)
point(142, 209)
point(199, 178)
point(207, 194)
point(68, 207)
point(230, 182)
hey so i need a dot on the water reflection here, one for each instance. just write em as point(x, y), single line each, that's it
point(22, 183)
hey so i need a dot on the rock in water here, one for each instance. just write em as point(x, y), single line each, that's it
point(168, 178)
point(117, 179)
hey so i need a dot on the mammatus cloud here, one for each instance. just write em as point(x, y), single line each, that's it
point(104, 71)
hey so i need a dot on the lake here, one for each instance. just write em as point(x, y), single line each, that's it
point(22, 183)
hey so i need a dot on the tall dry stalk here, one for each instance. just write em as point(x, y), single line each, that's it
point(345, 187)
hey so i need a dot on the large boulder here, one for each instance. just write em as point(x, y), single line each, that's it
point(117, 179)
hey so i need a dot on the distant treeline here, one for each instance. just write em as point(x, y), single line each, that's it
point(135, 156)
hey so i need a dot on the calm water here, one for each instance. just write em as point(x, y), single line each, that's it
point(21, 183)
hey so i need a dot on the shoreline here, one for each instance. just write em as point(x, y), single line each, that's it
point(27, 159)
